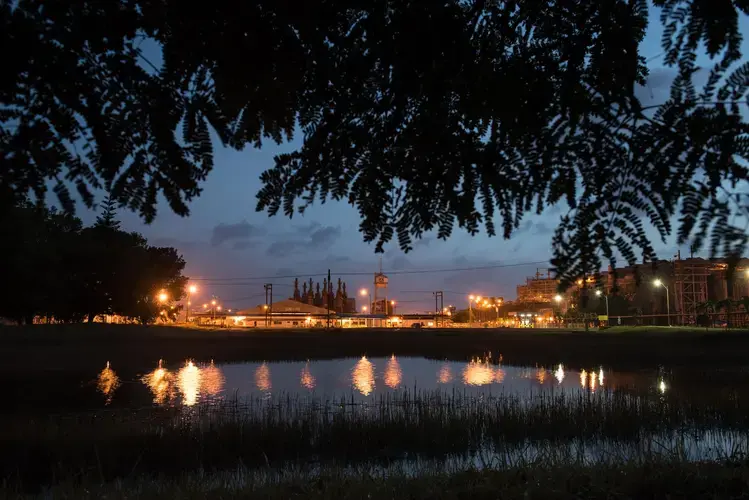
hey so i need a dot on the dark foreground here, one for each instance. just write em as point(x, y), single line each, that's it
point(86, 347)
point(635, 481)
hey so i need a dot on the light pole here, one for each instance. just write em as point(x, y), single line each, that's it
point(365, 293)
point(392, 306)
point(470, 310)
point(559, 299)
point(213, 309)
point(668, 303)
point(600, 293)
point(191, 290)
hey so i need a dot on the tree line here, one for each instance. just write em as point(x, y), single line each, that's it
point(54, 267)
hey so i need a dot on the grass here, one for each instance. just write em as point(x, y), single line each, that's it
point(288, 432)
point(542, 480)
point(50, 348)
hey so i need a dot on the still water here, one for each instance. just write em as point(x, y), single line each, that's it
point(189, 383)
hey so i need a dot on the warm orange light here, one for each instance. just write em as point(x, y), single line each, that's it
point(192, 289)
point(363, 292)
point(471, 297)
point(265, 306)
point(218, 308)
point(205, 306)
point(163, 297)
point(392, 302)
point(213, 302)
point(364, 308)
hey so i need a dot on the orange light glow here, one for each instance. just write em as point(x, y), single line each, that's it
point(362, 376)
point(393, 373)
point(478, 372)
point(107, 383)
point(262, 378)
point(189, 383)
point(306, 378)
point(445, 375)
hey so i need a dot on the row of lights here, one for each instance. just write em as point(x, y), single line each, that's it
point(163, 297)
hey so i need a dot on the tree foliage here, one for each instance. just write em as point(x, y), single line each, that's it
point(422, 115)
point(56, 268)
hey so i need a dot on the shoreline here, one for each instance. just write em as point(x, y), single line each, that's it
point(50, 348)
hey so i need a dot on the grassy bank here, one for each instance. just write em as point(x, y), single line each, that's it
point(286, 432)
point(86, 347)
point(542, 481)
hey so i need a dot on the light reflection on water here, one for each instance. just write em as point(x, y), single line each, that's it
point(107, 382)
point(393, 373)
point(195, 382)
point(362, 376)
point(192, 382)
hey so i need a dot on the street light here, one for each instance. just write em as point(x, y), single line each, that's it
point(600, 293)
point(163, 297)
point(470, 309)
point(191, 290)
point(365, 293)
point(392, 304)
point(658, 282)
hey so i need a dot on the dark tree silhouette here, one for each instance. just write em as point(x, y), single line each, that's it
point(55, 268)
point(412, 111)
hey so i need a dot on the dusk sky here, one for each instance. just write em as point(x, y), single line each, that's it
point(224, 238)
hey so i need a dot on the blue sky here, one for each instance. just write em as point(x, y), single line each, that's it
point(225, 238)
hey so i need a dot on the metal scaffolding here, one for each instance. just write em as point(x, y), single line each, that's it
point(690, 283)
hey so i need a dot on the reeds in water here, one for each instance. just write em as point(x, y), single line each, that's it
point(286, 431)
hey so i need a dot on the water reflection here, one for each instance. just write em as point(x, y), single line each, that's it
point(189, 383)
point(445, 375)
point(478, 373)
point(192, 381)
point(160, 381)
point(107, 383)
point(393, 373)
point(262, 378)
point(211, 380)
point(559, 374)
point(306, 378)
point(362, 376)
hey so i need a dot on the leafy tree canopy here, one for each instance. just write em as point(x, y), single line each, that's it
point(56, 268)
point(422, 115)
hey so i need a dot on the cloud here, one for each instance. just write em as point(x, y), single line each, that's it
point(423, 242)
point(542, 228)
point(399, 262)
point(338, 258)
point(243, 244)
point(318, 239)
point(284, 248)
point(524, 227)
point(460, 260)
point(325, 236)
point(240, 231)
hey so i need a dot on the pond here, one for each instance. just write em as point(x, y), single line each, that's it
point(189, 383)
point(369, 410)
